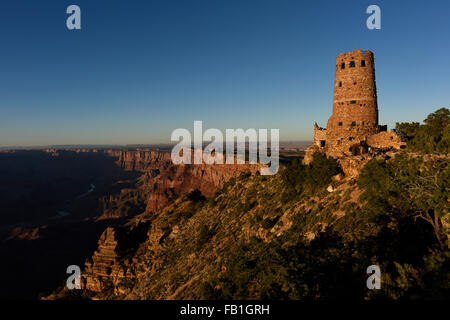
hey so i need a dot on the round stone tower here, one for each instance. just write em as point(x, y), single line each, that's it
point(355, 107)
point(353, 127)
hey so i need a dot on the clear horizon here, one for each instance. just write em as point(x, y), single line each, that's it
point(138, 70)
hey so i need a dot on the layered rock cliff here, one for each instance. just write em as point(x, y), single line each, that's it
point(162, 181)
point(112, 265)
point(170, 256)
point(141, 161)
point(232, 245)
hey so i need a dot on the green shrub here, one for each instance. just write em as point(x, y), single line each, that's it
point(268, 223)
point(407, 188)
point(204, 235)
point(308, 179)
point(195, 196)
point(244, 207)
point(244, 175)
point(431, 137)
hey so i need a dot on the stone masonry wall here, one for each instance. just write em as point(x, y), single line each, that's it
point(355, 110)
point(355, 107)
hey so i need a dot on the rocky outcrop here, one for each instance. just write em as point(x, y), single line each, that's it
point(179, 179)
point(26, 233)
point(111, 264)
point(172, 257)
point(351, 166)
point(309, 153)
point(104, 266)
point(162, 180)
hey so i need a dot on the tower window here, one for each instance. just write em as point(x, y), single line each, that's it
point(354, 83)
point(352, 64)
point(353, 123)
point(363, 63)
point(353, 102)
point(351, 138)
point(343, 65)
point(340, 83)
point(322, 143)
point(340, 124)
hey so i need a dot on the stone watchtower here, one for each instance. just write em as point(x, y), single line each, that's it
point(355, 108)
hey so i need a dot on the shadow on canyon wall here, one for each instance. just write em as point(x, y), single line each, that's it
point(48, 216)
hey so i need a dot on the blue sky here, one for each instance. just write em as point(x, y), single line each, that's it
point(140, 69)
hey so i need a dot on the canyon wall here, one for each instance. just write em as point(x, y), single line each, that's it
point(162, 181)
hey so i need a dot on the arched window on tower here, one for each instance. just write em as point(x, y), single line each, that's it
point(343, 65)
point(363, 63)
point(352, 64)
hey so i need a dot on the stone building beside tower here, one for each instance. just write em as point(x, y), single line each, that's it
point(353, 126)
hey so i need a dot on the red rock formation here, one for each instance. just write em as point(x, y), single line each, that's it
point(140, 160)
point(105, 266)
point(162, 180)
